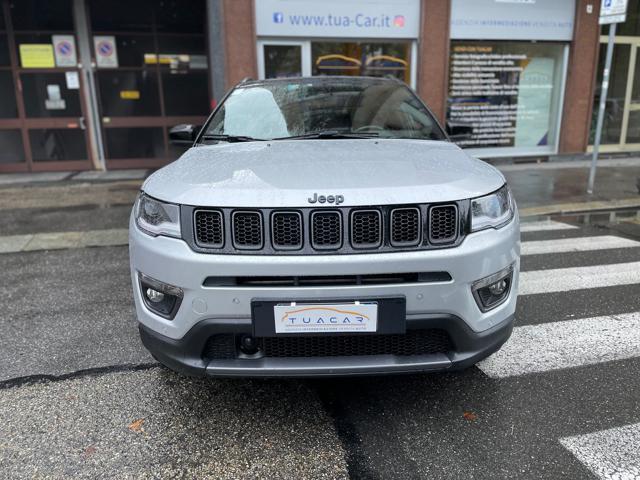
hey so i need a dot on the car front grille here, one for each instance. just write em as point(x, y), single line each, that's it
point(286, 229)
point(209, 228)
point(405, 226)
point(325, 231)
point(413, 342)
point(366, 228)
point(443, 225)
point(247, 230)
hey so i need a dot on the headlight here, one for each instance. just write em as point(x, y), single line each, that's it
point(492, 210)
point(156, 217)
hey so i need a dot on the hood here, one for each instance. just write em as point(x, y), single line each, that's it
point(286, 173)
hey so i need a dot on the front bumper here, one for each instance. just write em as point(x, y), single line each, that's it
point(207, 311)
point(185, 355)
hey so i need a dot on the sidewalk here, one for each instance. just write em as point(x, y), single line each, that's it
point(540, 188)
point(561, 187)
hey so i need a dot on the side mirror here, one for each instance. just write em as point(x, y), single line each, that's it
point(183, 134)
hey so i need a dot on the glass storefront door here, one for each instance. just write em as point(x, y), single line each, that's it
point(151, 63)
point(621, 128)
point(42, 121)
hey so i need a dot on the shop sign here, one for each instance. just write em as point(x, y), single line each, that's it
point(37, 55)
point(613, 11)
point(105, 51)
point(338, 18)
point(64, 48)
point(512, 19)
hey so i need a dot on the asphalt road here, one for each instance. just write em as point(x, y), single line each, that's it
point(81, 398)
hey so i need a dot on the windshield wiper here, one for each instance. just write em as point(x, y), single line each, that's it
point(230, 138)
point(330, 134)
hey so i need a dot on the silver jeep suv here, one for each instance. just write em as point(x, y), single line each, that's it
point(323, 226)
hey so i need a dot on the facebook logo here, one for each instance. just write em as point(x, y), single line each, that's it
point(278, 17)
point(607, 3)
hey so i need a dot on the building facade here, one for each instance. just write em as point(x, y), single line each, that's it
point(89, 84)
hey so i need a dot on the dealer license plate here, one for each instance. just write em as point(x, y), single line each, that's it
point(326, 318)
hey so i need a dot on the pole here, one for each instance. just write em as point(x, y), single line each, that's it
point(601, 109)
point(216, 44)
point(89, 89)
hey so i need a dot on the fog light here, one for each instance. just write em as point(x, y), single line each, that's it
point(491, 291)
point(498, 288)
point(154, 295)
point(159, 297)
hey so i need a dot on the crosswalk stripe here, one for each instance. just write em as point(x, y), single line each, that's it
point(545, 225)
point(576, 278)
point(609, 454)
point(565, 344)
point(579, 244)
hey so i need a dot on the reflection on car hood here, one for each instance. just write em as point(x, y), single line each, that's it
point(288, 172)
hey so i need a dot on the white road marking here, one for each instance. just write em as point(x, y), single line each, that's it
point(545, 225)
point(576, 278)
point(565, 344)
point(580, 244)
point(609, 454)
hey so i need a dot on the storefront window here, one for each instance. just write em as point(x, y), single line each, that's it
point(505, 94)
point(357, 58)
point(11, 150)
point(4, 51)
point(152, 73)
point(42, 15)
point(8, 107)
point(612, 125)
point(283, 61)
point(121, 15)
point(185, 93)
point(135, 143)
point(59, 144)
point(125, 93)
point(47, 95)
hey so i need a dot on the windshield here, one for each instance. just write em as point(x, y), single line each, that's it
point(347, 107)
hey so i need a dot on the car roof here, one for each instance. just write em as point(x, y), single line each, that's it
point(342, 79)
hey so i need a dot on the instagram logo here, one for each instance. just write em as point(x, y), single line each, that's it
point(398, 21)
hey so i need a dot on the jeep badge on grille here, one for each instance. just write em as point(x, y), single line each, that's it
point(337, 199)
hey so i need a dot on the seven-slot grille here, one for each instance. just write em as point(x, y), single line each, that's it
point(443, 225)
point(209, 228)
point(247, 230)
point(340, 230)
